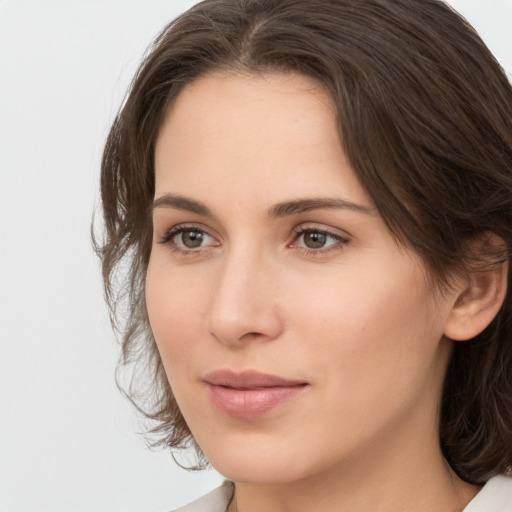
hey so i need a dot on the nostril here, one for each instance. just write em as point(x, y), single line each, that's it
point(250, 336)
point(253, 335)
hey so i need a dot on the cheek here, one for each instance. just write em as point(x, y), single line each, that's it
point(370, 325)
point(176, 309)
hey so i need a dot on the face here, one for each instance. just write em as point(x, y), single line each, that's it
point(298, 337)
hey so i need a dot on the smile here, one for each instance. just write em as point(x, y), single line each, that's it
point(249, 395)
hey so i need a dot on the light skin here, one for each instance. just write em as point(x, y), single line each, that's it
point(269, 255)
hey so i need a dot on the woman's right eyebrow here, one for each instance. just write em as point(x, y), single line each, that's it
point(181, 203)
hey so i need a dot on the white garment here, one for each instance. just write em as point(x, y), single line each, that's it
point(215, 501)
point(495, 496)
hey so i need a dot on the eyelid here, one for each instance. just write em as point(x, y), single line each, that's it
point(322, 228)
point(341, 238)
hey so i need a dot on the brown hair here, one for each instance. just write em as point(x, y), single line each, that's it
point(425, 116)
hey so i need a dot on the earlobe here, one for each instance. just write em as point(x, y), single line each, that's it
point(478, 302)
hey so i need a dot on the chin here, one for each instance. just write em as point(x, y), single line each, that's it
point(267, 472)
point(253, 460)
point(260, 461)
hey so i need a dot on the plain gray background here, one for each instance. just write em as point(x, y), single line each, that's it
point(67, 438)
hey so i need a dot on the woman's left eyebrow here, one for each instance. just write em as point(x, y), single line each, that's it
point(305, 205)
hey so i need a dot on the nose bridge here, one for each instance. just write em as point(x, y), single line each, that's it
point(243, 306)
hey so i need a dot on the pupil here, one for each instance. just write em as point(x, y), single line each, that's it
point(315, 240)
point(192, 239)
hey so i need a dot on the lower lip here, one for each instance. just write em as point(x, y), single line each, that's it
point(251, 403)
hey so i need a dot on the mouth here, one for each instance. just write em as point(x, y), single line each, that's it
point(250, 394)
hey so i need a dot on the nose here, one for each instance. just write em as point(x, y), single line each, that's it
point(244, 304)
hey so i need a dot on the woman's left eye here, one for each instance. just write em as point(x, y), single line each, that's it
point(317, 240)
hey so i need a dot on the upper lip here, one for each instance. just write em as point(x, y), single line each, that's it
point(248, 379)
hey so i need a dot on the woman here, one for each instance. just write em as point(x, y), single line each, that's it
point(315, 201)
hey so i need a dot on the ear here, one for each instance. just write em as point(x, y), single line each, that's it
point(480, 294)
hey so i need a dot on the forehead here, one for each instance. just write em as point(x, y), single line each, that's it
point(242, 110)
point(271, 135)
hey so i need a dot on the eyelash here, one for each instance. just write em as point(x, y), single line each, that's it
point(340, 241)
point(168, 239)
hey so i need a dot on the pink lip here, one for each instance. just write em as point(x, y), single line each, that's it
point(249, 394)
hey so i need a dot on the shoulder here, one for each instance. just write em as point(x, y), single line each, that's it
point(215, 501)
point(495, 496)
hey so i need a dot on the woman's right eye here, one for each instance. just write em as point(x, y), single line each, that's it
point(188, 239)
